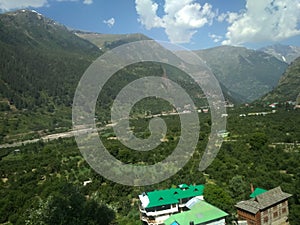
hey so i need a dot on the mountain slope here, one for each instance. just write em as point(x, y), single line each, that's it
point(31, 29)
point(110, 41)
point(41, 61)
point(248, 73)
point(288, 88)
point(283, 52)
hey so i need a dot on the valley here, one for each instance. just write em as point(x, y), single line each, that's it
point(44, 178)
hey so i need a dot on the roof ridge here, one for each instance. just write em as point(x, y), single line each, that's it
point(173, 195)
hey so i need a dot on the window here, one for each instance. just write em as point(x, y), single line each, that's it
point(275, 214)
point(266, 219)
point(283, 210)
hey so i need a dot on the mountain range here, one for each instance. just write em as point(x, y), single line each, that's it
point(288, 88)
point(42, 62)
point(284, 53)
point(244, 74)
point(248, 73)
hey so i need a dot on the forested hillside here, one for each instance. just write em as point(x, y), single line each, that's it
point(288, 87)
point(37, 56)
point(41, 64)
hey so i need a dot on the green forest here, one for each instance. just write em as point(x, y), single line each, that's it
point(45, 180)
point(36, 110)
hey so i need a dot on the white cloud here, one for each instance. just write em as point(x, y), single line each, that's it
point(147, 12)
point(88, 2)
point(7, 5)
point(222, 17)
point(110, 22)
point(215, 38)
point(268, 20)
point(181, 19)
point(230, 17)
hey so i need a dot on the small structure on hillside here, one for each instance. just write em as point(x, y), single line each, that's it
point(223, 133)
point(264, 207)
point(17, 151)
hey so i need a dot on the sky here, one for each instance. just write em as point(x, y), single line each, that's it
point(193, 24)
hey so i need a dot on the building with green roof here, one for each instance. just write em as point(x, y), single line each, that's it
point(200, 213)
point(156, 206)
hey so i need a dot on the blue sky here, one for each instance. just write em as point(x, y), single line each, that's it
point(195, 24)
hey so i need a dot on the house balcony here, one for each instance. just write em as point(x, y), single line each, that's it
point(161, 212)
point(155, 213)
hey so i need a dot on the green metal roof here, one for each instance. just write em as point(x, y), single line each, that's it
point(202, 212)
point(173, 195)
point(257, 192)
point(183, 186)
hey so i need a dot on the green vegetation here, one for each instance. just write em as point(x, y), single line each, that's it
point(41, 63)
point(30, 116)
point(39, 186)
point(35, 178)
point(50, 183)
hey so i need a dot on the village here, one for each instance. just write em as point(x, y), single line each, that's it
point(186, 205)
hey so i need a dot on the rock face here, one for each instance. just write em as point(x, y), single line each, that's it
point(285, 53)
point(288, 88)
